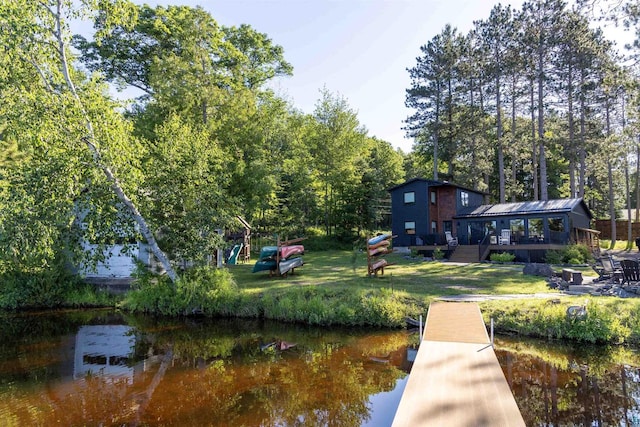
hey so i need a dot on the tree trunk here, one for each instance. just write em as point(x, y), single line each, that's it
point(474, 158)
point(581, 147)
point(436, 136)
point(612, 207)
point(89, 140)
point(628, 196)
point(571, 145)
point(534, 149)
point(514, 176)
point(637, 217)
point(544, 195)
point(499, 140)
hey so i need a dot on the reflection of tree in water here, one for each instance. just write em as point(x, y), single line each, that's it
point(568, 388)
point(210, 373)
point(324, 380)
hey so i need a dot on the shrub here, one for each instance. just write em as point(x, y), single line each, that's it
point(554, 257)
point(36, 289)
point(202, 289)
point(572, 254)
point(538, 318)
point(438, 254)
point(319, 306)
point(502, 257)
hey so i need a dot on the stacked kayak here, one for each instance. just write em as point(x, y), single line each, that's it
point(283, 258)
point(377, 247)
point(287, 265)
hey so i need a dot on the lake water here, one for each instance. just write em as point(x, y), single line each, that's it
point(95, 368)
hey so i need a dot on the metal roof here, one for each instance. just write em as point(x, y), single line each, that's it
point(525, 208)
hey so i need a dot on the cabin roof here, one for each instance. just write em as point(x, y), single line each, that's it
point(525, 208)
point(433, 183)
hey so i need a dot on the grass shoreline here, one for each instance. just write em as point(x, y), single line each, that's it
point(332, 288)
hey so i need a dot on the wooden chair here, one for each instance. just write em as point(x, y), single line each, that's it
point(608, 270)
point(630, 272)
point(451, 241)
point(505, 237)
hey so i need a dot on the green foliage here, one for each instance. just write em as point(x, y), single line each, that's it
point(317, 240)
point(319, 306)
point(554, 257)
point(572, 254)
point(85, 295)
point(502, 257)
point(187, 169)
point(438, 253)
point(203, 290)
point(36, 289)
point(603, 322)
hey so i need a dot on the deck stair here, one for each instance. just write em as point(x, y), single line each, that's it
point(465, 253)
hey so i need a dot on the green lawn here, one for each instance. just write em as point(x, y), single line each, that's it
point(334, 278)
point(332, 288)
point(340, 270)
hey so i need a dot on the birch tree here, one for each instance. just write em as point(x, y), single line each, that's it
point(37, 35)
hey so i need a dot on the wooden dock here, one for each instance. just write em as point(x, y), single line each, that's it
point(456, 379)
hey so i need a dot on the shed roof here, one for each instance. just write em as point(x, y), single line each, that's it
point(525, 208)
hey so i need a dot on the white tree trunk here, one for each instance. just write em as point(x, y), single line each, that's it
point(89, 141)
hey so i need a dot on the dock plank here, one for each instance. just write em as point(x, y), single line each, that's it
point(456, 379)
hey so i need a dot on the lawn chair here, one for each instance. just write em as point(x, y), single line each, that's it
point(630, 273)
point(505, 237)
point(608, 270)
point(451, 241)
point(604, 269)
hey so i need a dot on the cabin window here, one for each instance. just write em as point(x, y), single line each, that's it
point(517, 229)
point(409, 197)
point(464, 198)
point(536, 228)
point(447, 226)
point(410, 227)
point(556, 224)
point(434, 227)
point(433, 197)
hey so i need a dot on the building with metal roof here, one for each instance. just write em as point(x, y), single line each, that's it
point(424, 210)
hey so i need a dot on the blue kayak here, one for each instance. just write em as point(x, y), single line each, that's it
point(264, 265)
point(268, 252)
point(378, 239)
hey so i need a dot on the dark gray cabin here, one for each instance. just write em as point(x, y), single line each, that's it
point(423, 210)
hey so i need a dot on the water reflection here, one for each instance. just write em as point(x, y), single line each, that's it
point(104, 350)
point(102, 368)
point(559, 385)
point(110, 370)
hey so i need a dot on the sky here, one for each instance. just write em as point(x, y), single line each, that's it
point(357, 49)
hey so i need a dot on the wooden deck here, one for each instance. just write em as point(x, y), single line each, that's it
point(456, 379)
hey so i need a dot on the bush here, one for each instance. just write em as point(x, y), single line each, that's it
point(554, 257)
point(204, 290)
point(572, 254)
point(39, 289)
point(438, 254)
point(502, 257)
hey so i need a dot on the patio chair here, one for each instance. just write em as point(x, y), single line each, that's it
point(451, 241)
point(607, 270)
point(505, 237)
point(630, 272)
